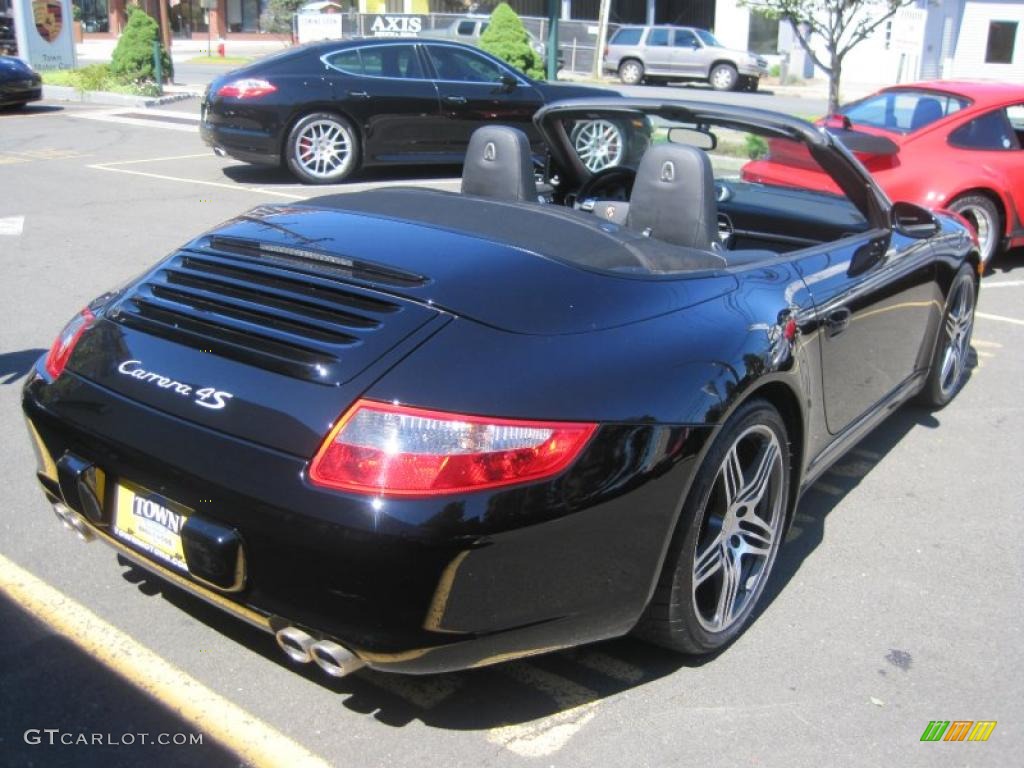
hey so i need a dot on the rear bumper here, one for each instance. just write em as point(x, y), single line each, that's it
point(11, 95)
point(412, 587)
point(249, 146)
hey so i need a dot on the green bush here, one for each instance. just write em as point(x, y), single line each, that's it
point(506, 38)
point(755, 146)
point(133, 57)
point(97, 77)
point(775, 71)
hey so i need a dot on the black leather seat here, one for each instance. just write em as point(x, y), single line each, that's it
point(499, 165)
point(673, 197)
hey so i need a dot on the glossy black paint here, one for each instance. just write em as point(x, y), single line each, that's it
point(19, 83)
point(425, 119)
point(456, 321)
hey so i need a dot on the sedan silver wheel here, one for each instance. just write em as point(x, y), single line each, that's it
point(740, 529)
point(324, 149)
point(958, 326)
point(599, 144)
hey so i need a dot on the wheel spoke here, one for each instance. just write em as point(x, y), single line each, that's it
point(754, 490)
point(757, 535)
point(727, 598)
point(732, 476)
point(710, 562)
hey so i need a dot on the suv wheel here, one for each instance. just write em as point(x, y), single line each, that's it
point(631, 72)
point(724, 77)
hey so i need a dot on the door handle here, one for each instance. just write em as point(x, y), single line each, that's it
point(359, 94)
point(455, 99)
point(837, 321)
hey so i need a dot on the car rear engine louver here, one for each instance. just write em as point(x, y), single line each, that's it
point(295, 311)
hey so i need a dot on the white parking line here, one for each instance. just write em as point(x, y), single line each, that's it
point(12, 225)
point(1000, 318)
point(1003, 284)
point(233, 187)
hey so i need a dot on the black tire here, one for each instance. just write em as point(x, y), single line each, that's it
point(983, 215)
point(750, 84)
point(320, 164)
point(724, 77)
point(676, 616)
point(631, 72)
point(950, 359)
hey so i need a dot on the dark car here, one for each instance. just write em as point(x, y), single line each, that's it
point(327, 109)
point(426, 431)
point(19, 83)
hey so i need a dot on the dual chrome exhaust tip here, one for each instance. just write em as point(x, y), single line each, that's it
point(73, 521)
point(332, 658)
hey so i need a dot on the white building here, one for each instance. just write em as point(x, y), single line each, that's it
point(930, 39)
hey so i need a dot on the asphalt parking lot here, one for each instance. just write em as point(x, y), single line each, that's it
point(896, 599)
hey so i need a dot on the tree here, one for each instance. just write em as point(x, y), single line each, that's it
point(842, 24)
point(506, 38)
point(132, 60)
point(278, 15)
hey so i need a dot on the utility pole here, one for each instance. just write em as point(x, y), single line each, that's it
point(165, 26)
point(552, 44)
point(602, 36)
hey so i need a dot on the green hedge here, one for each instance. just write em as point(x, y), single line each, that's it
point(133, 57)
point(506, 38)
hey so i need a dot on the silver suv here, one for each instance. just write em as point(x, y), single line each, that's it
point(655, 54)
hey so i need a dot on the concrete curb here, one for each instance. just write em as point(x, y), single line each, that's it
point(67, 93)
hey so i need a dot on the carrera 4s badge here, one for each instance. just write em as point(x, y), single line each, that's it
point(207, 397)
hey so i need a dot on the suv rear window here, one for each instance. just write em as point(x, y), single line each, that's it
point(629, 36)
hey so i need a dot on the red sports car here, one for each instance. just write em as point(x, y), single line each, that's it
point(953, 145)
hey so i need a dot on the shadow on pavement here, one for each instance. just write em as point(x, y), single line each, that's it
point(1006, 263)
point(31, 109)
point(259, 174)
point(47, 682)
point(14, 365)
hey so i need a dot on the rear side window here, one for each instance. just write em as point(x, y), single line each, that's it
point(657, 37)
point(395, 61)
point(903, 111)
point(347, 61)
point(466, 27)
point(990, 131)
point(627, 36)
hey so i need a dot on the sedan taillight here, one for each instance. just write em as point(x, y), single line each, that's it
point(394, 450)
point(249, 88)
point(65, 342)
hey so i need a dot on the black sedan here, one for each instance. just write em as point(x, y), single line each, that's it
point(425, 431)
point(327, 109)
point(19, 83)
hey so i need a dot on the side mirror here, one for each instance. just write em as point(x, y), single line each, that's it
point(510, 81)
point(914, 221)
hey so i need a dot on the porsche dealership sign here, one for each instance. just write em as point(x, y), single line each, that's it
point(43, 29)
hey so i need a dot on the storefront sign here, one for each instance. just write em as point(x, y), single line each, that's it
point(318, 26)
point(394, 25)
point(43, 29)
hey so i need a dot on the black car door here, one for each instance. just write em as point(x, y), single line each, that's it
point(476, 89)
point(875, 298)
point(385, 89)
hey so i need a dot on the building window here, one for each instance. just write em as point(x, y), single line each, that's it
point(763, 36)
point(1002, 36)
point(94, 16)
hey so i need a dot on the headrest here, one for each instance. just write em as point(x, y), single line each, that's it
point(499, 165)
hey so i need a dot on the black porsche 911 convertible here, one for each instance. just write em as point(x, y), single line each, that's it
point(426, 431)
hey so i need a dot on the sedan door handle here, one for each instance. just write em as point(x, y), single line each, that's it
point(455, 99)
point(359, 94)
point(837, 321)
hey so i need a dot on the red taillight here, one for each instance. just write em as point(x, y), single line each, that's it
point(65, 342)
point(246, 89)
point(393, 450)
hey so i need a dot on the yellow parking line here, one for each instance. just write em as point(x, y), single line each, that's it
point(233, 187)
point(252, 740)
point(1001, 318)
